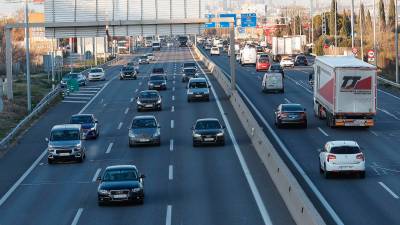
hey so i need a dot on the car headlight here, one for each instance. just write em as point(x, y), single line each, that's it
point(189, 92)
point(196, 135)
point(156, 134)
point(159, 101)
point(104, 192)
point(220, 134)
point(138, 102)
point(131, 134)
point(50, 149)
point(136, 189)
point(150, 84)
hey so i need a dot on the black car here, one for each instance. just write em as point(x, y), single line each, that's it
point(290, 114)
point(275, 68)
point(158, 70)
point(128, 72)
point(89, 125)
point(208, 131)
point(150, 99)
point(157, 82)
point(189, 72)
point(120, 183)
point(300, 60)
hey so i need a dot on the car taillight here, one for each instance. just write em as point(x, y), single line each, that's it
point(331, 157)
point(360, 157)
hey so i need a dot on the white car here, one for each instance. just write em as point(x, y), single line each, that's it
point(272, 82)
point(214, 51)
point(341, 157)
point(150, 56)
point(287, 62)
point(97, 74)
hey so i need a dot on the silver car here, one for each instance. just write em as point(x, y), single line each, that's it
point(144, 130)
point(198, 89)
point(65, 143)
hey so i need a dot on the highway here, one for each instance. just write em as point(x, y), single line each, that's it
point(374, 200)
point(183, 185)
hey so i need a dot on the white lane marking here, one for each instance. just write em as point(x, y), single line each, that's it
point(96, 175)
point(388, 190)
point(172, 124)
point(173, 82)
point(131, 100)
point(392, 95)
point(373, 132)
point(173, 109)
point(105, 104)
point(173, 97)
point(36, 162)
point(80, 98)
point(388, 113)
point(294, 81)
point(77, 216)
point(126, 110)
point(171, 172)
point(256, 194)
point(79, 94)
point(109, 147)
point(173, 88)
point(169, 215)
point(140, 83)
point(136, 90)
point(171, 145)
point(323, 132)
point(119, 125)
point(75, 101)
point(287, 100)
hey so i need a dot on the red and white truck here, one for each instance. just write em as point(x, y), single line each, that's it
point(344, 91)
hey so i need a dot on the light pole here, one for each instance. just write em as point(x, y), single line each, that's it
point(376, 55)
point(361, 34)
point(396, 41)
point(352, 23)
point(28, 72)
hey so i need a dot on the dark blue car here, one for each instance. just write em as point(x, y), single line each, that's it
point(89, 125)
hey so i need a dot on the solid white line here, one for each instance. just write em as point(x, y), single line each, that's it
point(66, 101)
point(126, 110)
point(172, 123)
point(173, 109)
point(96, 175)
point(77, 216)
point(388, 113)
point(323, 132)
point(82, 98)
point(119, 126)
point(171, 172)
point(169, 215)
point(173, 88)
point(249, 178)
point(131, 100)
point(287, 100)
point(79, 94)
point(171, 145)
point(136, 90)
point(294, 81)
point(373, 132)
point(140, 83)
point(173, 97)
point(109, 147)
point(388, 190)
point(394, 96)
point(173, 82)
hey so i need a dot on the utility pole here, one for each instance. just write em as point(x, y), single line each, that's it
point(335, 27)
point(361, 34)
point(376, 55)
point(28, 72)
point(352, 23)
point(312, 20)
point(232, 58)
point(396, 40)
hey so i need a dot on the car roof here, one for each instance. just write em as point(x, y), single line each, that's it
point(66, 127)
point(343, 61)
point(82, 115)
point(95, 68)
point(342, 143)
point(144, 117)
point(115, 167)
point(154, 91)
point(207, 119)
point(198, 79)
point(291, 104)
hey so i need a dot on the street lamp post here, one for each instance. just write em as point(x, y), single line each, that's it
point(352, 23)
point(396, 41)
point(28, 72)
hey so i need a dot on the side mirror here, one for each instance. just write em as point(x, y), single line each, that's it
point(98, 178)
point(223, 126)
point(158, 126)
point(96, 121)
point(305, 109)
point(142, 176)
point(46, 139)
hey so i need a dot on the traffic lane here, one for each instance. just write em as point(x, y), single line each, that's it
point(296, 145)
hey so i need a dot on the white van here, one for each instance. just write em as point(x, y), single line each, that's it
point(248, 55)
point(272, 82)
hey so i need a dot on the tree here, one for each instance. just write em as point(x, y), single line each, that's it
point(392, 15)
point(344, 22)
point(368, 23)
point(382, 16)
point(332, 15)
point(362, 15)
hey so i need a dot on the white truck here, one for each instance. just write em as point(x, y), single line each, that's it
point(288, 45)
point(344, 91)
point(248, 55)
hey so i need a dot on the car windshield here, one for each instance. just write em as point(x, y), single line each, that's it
point(156, 44)
point(198, 85)
point(190, 71)
point(292, 108)
point(149, 54)
point(127, 68)
point(275, 67)
point(158, 70)
point(148, 94)
point(345, 150)
point(262, 60)
point(214, 49)
point(144, 123)
point(143, 57)
point(120, 175)
point(204, 125)
point(65, 135)
point(130, 64)
point(96, 71)
point(189, 65)
point(81, 119)
point(157, 77)
point(71, 76)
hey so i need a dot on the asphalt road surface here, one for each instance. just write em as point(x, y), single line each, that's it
point(374, 200)
point(183, 185)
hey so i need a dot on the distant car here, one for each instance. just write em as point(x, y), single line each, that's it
point(225, 48)
point(290, 114)
point(287, 62)
point(207, 47)
point(158, 70)
point(198, 89)
point(259, 49)
point(150, 56)
point(157, 82)
point(301, 60)
point(89, 125)
point(272, 82)
point(128, 72)
point(188, 73)
point(143, 60)
point(120, 183)
point(208, 131)
point(156, 46)
point(170, 44)
point(214, 51)
point(82, 81)
point(188, 65)
point(149, 99)
point(276, 68)
point(135, 65)
point(262, 64)
point(144, 130)
point(96, 74)
point(341, 157)
point(65, 143)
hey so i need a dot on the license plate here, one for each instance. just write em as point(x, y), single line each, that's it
point(198, 95)
point(345, 167)
point(120, 196)
point(208, 139)
point(64, 154)
point(157, 86)
point(149, 105)
point(143, 140)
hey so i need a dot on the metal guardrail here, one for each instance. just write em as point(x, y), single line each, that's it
point(40, 106)
point(386, 81)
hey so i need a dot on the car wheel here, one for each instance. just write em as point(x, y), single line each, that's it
point(305, 125)
point(278, 124)
point(327, 174)
point(321, 171)
point(140, 201)
point(100, 203)
point(138, 110)
point(362, 174)
point(135, 78)
point(208, 99)
point(195, 144)
point(188, 100)
point(130, 144)
point(80, 159)
point(50, 161)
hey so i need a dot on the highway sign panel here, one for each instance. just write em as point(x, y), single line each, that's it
point(224, 24)
point(210, 16)
point(209, 25)
point(241, 30)
point(228, 15)
point(248, 19)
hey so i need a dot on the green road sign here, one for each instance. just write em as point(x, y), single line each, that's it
point(73, 85)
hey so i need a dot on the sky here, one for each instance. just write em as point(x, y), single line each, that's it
point(8, 9)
